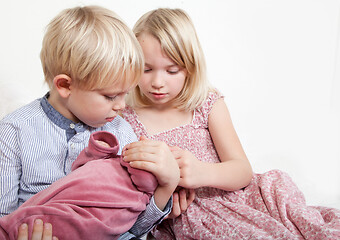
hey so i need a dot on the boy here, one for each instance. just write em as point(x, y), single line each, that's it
point(90, 60)
point(100, 199)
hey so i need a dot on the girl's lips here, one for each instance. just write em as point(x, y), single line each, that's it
point(158, 95)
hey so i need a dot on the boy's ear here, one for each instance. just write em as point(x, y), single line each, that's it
point(62, 84)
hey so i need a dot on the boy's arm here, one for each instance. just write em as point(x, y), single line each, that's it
point(155, 157)
point(151, 217)
point(10, 169)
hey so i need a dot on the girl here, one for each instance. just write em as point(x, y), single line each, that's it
point(174, 103)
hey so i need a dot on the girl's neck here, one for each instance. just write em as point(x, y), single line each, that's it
point(160, 120)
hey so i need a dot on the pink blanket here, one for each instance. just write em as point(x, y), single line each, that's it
point(100, 199)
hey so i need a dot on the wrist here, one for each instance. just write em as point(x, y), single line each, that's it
point(162, 195)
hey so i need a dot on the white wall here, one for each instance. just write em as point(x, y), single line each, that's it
point(277, 62)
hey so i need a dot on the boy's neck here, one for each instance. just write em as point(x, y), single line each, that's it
point(59, 105)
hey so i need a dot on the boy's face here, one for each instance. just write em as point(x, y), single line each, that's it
point(97, 107)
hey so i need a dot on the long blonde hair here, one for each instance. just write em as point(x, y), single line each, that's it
point(93, 46)
point(177, 35)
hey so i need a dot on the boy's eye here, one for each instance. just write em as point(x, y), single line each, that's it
point(110, 98)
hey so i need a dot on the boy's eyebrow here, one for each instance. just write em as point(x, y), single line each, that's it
point(170, 65)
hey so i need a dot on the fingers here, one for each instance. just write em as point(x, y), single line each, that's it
point(181, 202)
point(185, 199)
point(23, 232)
point(41, 231)
point(38, 229)
point(145, 151)
point(142, 138)
point(191, 197)
point(174, 148)
point(143, 143)
point(47, 233)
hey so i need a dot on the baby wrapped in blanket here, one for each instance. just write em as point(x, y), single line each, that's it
point(100, 199)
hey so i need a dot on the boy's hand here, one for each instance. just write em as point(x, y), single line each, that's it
point(41, 231)
point(181, 201)
point(155, 157)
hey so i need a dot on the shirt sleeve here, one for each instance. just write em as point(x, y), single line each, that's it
point(10, 169)
point(148, 219)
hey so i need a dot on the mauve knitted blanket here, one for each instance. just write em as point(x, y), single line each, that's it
point(100, 199)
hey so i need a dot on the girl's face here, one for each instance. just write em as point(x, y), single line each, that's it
point(162, 79)
point(96, 107)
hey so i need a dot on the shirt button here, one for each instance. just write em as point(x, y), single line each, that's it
point(72, 126)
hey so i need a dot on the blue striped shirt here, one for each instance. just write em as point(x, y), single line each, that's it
point(38, 146)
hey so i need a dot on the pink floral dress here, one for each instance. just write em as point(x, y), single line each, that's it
point(270, 207)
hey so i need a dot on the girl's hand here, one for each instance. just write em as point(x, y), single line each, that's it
point(181, 201)
point(155, 157)
point(191, 169)
point(41, 231)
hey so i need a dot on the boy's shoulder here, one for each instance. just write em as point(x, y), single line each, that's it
point(119, 124)
point(24, 113)
point(121, 129)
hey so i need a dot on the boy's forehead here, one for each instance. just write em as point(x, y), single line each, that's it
point(118, 87)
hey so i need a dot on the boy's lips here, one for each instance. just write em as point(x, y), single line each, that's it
point(110, 119)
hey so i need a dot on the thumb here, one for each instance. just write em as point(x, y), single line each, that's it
point(143, 138)
point(174, 148)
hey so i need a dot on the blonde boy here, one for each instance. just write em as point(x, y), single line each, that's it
point(90, 59)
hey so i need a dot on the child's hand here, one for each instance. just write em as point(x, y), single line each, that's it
point(155, 157)
point(181, 201)
point(102, 143)
point(41, 231)
point(191, 168)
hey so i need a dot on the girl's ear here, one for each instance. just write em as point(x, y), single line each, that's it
point(62, 84)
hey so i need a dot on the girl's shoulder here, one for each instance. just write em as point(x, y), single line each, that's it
point(202, 112)
point(207, 105)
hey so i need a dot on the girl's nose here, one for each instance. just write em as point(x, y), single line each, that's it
point(157, 81)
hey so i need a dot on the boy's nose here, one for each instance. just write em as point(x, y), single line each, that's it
point(119, 104)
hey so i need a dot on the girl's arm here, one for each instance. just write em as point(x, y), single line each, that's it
point(233, 173)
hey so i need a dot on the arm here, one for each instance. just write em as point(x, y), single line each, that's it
point(233, 172)
point(155, 157)
point(147, 220)
point(10, 169)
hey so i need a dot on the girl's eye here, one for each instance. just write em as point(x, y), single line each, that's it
point(146, 70)
point(173, 71)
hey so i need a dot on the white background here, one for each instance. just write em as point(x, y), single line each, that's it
point(277, 63)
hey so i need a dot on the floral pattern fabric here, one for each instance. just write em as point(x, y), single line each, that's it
point(270, 207)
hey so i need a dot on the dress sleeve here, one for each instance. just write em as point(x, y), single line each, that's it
point(204, 110)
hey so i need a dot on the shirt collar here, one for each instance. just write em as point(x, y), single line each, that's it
point(71, 127)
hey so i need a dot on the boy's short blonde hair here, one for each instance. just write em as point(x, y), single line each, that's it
point(93, 46)
point(177, 35)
